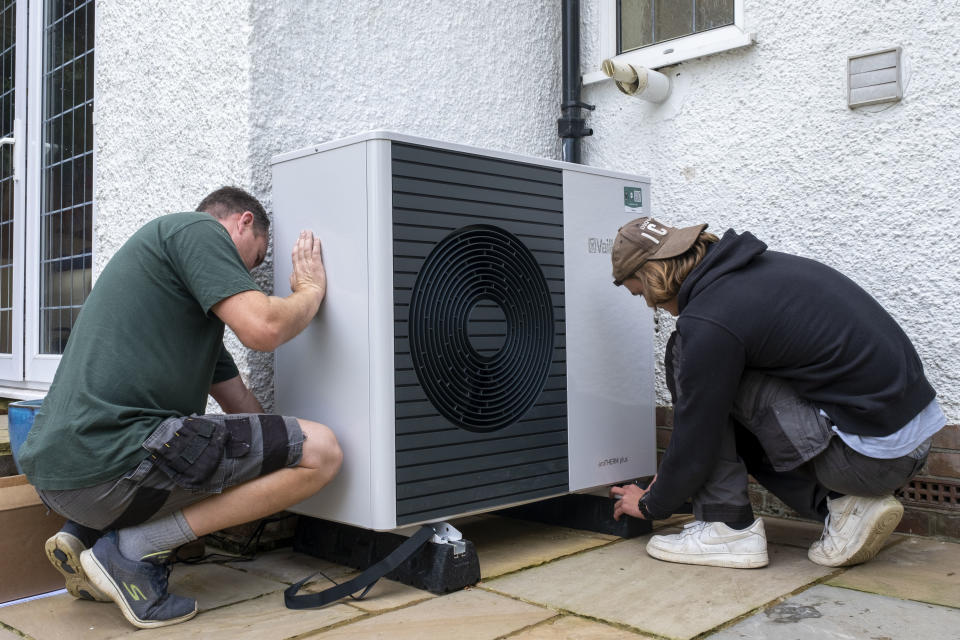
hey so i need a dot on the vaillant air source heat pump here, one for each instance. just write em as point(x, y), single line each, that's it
point(472, 352)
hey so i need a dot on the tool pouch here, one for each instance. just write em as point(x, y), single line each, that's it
point(193, 454)
point(239, 436)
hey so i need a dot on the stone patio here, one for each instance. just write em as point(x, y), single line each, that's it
point(540, 582)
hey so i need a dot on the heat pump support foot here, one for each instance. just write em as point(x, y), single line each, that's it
point(580, 511)
point(436, 567)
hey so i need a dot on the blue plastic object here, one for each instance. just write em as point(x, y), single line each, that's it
point(21, 416)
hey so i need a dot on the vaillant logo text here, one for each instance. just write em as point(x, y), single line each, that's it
point(610, 461)
point(599, 245)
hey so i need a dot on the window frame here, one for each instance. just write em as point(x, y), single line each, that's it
point(40, 366)
point(12, 363)
point(28, 371)
point(669, 52)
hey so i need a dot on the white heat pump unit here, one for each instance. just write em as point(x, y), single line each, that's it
point(471, 353)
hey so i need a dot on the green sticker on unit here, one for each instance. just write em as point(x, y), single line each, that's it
point(632, 199)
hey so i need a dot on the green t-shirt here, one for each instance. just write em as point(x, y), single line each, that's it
point(145, 347)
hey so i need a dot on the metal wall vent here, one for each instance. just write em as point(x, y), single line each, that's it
point(875, 77)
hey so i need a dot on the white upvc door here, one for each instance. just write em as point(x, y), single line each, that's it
point(13, 111)
point(39, 366)
point(46, 221)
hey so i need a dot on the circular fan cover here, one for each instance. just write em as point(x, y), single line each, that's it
point(476, 278)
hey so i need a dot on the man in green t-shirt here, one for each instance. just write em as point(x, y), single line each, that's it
point(120, 446)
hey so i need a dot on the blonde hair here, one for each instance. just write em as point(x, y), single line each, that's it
point(661, 279)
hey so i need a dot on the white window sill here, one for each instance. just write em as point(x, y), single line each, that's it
point(13, 391)
point(673, 51)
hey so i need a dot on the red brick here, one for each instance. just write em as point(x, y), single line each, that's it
point(916, 522)
point(663, 437)
point(948, 437)
point(944, 464)
point(948, 525)
point(664, 416)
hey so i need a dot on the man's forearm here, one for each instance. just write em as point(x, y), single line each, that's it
point(264, 322)
point(234, 396)
point(287, 317)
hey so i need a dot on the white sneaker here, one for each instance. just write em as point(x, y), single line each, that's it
point(855, 530)
point(714, 544)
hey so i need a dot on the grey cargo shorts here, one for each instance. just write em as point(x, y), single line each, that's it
point(187, 460)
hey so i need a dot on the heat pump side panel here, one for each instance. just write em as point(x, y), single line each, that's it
point(324, 373)
point(610, 367)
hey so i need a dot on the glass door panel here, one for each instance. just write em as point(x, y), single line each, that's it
point(62, 181)
point(66, 208)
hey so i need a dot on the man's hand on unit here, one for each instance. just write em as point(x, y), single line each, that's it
point(308, 271)
point(627, 501)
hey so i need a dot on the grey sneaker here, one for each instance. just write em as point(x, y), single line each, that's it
point(855, 530)
point(63, 550)
point(713, 544)
point(139, 588)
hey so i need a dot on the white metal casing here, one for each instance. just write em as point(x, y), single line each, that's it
point(340, 370)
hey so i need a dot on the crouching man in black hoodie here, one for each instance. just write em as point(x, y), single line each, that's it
point(782, 368)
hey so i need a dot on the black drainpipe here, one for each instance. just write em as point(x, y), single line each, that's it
point(571, 127)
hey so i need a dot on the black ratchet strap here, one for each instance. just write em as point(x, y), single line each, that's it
point(364, 581)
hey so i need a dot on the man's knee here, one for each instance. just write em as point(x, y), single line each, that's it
point(321, 451)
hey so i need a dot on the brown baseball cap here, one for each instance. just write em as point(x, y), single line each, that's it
point(646, 239)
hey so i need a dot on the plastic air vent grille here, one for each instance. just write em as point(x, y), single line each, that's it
point(927, 492)
point(481, 366)
point(479, 332)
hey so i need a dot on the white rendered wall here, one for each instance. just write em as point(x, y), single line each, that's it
point(172, 119)
point(761, 139)
point(191, 96)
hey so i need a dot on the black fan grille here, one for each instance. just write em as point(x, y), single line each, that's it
point(476, 326)
point(478, 277)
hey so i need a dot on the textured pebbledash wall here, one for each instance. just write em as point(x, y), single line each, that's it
point(191, 96)
point(761, 139)
point(173, 121)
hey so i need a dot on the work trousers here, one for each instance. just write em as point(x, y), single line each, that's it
point(790, 448)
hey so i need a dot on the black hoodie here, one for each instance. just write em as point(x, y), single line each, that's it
point(744, 307)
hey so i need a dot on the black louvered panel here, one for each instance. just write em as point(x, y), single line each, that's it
point(479, 332)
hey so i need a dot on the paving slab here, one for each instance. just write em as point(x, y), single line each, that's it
point(386, 594)
point(264, 617)
point(677, 520)
point(288, 566)
point(509, 544)
point(9, 635)
point(824, 612)
point(803, 533)
point(472, 614)
point(620, 583)
point(915, 569)
point(214, 585)
point(796, 533)
point(63, 617)
point(574, 628)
